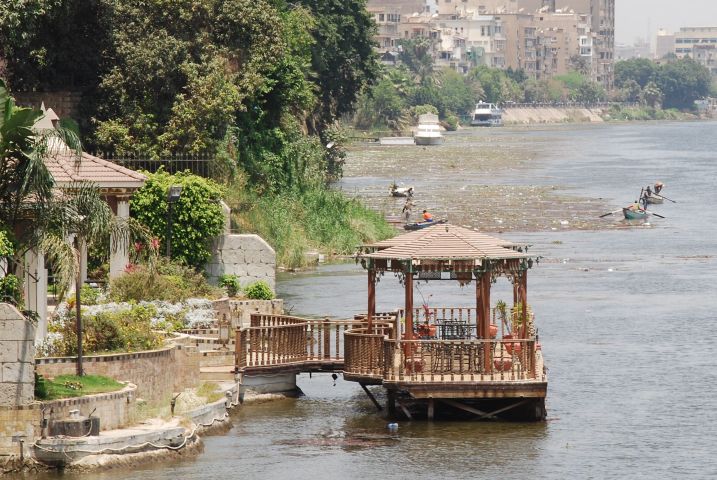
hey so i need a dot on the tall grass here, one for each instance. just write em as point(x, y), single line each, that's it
point(325, 220)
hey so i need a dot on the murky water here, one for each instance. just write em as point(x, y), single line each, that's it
point(626, 318)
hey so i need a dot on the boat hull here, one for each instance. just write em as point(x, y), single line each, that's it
point(420, 225)
point(634, 215)
point(654, 200)
point(428, 140)
point(487, 123)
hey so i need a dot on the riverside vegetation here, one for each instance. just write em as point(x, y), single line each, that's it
point(256, 85)
point(657, 91)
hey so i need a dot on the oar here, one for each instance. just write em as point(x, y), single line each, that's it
point(610, 213)
point(655, 214)
point(662, 196)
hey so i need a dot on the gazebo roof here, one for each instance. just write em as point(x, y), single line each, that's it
point(67, 167)
point(444, 242)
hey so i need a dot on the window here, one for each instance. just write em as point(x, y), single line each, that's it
point(380, 17)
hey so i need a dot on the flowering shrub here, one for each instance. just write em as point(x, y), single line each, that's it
point(125, 327)
point(172, 282)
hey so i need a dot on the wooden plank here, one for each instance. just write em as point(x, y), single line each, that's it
point(466, 408)
point(371, 397)
point(405, 410)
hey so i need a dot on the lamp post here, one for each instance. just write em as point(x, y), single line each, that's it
point(175, 192)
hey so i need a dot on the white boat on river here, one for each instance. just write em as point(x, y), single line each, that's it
point(428, 131)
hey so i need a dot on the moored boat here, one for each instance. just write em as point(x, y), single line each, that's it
point(428, 131)
point(420, 225)
point(487, 115)
point(397, 191)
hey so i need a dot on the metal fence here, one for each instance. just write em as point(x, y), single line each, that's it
point(203, 165)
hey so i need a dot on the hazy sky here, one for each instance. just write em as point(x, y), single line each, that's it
point(632, 16)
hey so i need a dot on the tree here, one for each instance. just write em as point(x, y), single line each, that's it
point(343, 59)
point(640, 70)
point(631, 91)
point(682, 82)
point(416, 55)
point(197, 216)
point(580, 64)
point(651, 95)
point(457, 96)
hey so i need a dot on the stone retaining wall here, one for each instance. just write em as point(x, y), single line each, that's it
point(112, 408)
point(63, 103)
point(157, 373)
point(518, 116)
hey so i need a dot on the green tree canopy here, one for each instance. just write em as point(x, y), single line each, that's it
point(196, 218)
point(640, 70)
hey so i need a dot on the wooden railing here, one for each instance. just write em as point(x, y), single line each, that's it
point(461, 361)
point(276, 340)
point(364, 351)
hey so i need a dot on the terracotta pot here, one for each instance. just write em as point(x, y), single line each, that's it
point(493, 330)
point(503, 364)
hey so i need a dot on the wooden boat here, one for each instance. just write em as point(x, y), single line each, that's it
point(401, 191)
point(634, 214)
point(420, 225)
point(654, 199)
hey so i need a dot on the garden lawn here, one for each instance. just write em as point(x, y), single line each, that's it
point(67, 386)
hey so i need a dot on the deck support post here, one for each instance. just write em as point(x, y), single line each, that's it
point(391, 403)
point(483, 315)
point(371, 299)
point(431, 409)
point(371, 397)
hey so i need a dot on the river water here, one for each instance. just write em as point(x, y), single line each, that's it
point(626, 317)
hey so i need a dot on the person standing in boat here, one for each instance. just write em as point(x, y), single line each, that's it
point(658, 187)
point(427, 217)
point(406, 211)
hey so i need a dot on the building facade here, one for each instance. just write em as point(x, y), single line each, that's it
point(530, 35)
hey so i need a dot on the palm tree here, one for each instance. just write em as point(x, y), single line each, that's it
point(25, 183)
point(79, 212)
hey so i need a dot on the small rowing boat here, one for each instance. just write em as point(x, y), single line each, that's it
point(632, 213)
point(397, 191)
point(420, 225)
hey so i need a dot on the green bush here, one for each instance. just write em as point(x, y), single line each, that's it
point(259, 290)
point(41, 392)
point(451, 123)
point(11, 289)
point(89, 295)
point(171, 282)
point(196, 218)
point(231, 283)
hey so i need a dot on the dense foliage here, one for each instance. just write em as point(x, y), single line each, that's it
point(196, 218)
point(415, 83)
point(674, 83)
point(170, 282)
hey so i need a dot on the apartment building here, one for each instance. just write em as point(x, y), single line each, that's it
point(521, 34)
point(698, 43)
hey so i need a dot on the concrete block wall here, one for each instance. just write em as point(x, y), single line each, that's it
point(248, 256)
point(19, 417)
point(17, 357)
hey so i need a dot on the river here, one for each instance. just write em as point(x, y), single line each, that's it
point(626, 317)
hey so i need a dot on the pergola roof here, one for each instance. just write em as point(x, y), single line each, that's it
point(67, 167)
point(444, 242)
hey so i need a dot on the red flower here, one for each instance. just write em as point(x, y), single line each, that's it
point(138, 246)
point(155, 243)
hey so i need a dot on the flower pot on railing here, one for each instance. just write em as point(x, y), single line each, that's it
point(512, 347)
point(503, 364)
point(493, 330)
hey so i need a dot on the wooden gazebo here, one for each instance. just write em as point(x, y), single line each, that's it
point(450, 353)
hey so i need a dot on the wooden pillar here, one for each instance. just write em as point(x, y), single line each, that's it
point(371, 298)
point(524, 302)
point(408, 282)
point(485, 321)
point(479, 302)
